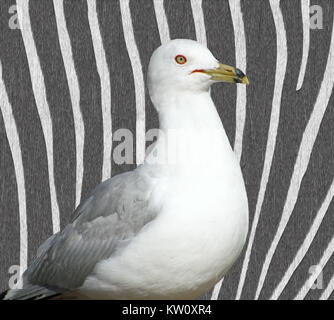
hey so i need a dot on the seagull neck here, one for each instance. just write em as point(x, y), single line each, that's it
point(191, 134)
point(188, 111)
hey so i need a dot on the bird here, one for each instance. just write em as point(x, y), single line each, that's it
point(172, 227)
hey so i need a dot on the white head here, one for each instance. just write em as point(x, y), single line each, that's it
point(186, 65)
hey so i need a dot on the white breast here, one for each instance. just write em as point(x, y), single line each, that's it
point(186, 250)
point(202, 222)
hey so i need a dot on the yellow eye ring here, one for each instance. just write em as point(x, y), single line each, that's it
point(180, 59)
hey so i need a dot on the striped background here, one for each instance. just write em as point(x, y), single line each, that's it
point(75, 72)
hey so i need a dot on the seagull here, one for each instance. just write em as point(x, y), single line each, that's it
point(172, 227)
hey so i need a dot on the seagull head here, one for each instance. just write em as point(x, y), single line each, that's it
point(186, 65)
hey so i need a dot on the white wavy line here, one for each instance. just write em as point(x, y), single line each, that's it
point(305, 8)
point(306, 243)
point(162, 22)
point(216, 290)
point(138, 79)
point(15, 148)
point(196, 7)
point(281, 63)
point(74, 89)
point(320, 266)
point(38, 86)
point(241, 62)
point(328, 291)
point(103, 70)
point(303, 157)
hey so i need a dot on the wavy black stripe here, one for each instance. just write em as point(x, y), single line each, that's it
point(295, 113)
point(316, 181)
point(180, 19)
point(47, 45)
point(9, 209)
point(123, 106)
point(260, 39)
point(17, 80)
point(147, 39)
point(90, 91)
point(220, 39)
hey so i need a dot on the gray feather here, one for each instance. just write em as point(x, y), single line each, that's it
point(112, 214)
point(30, 292)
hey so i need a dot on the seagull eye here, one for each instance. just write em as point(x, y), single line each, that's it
point(180, 59)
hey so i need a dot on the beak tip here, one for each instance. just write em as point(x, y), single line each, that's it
point(226, 73)
point(239, 73)
point(243, 80)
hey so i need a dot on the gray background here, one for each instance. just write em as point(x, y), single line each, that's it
point(261, 48)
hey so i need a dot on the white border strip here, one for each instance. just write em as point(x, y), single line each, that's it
point(320, 267)
point(39, 90)
point(138, 79)
point(74, 89)
point(305, 8)
point(328, 291)
point(216, 290)
point(197, 9)
point(241, 63)
point(103, 70)
point(15, 148)
point(162, 22)
point(303, 157)
point(306, 243)
point(281, 63)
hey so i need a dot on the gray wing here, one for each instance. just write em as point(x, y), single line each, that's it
point(115, 210)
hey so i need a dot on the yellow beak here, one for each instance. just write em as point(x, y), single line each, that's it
point(225, 73)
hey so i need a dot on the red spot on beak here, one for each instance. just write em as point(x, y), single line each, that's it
point(197, 70)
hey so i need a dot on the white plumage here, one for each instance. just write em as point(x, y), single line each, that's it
point(174, 226)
